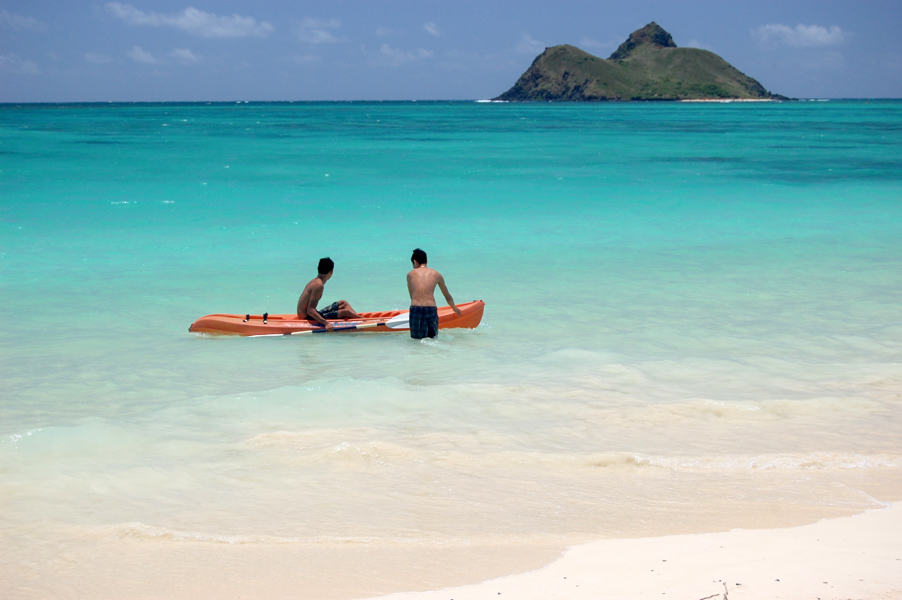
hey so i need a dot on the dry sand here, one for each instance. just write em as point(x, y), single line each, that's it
point(729, 100)
point(857, 557)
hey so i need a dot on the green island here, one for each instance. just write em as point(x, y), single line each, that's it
point(647, 66)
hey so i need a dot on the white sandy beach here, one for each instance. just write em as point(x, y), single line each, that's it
point(857, 557)
point(728, 100)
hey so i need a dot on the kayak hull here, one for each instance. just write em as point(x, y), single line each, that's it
point(228, 324)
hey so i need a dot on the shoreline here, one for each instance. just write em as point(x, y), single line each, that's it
point(850, 557)
point(858, 556)
point(728, 100)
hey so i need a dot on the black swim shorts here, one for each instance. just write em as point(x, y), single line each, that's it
point(423, 322)
point(329, 312)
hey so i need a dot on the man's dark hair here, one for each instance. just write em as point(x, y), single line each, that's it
point(419, 256)
point(325, 266)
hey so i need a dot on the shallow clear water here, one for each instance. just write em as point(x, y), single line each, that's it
point(692, 322)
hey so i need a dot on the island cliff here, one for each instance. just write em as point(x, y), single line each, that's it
point(647, 66)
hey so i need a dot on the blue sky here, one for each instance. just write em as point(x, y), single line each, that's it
point(158, 50)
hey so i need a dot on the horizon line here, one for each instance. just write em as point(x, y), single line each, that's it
point(409, 100)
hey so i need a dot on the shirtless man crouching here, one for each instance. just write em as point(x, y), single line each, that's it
point(312, 293)
point(421, 282)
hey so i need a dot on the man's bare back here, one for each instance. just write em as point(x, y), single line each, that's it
point(312, 294)
point(421, 283)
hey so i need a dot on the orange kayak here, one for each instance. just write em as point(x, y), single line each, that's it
point(386, 320)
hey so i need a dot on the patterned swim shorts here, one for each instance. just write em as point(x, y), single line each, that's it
point(329, 312)
point(423, 322)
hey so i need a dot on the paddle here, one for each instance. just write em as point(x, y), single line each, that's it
point(401, 321)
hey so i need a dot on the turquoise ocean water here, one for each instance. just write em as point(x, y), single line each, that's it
point(692, 323)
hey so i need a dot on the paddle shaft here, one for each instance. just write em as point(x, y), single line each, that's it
point(397, 322)
point(400, 321)
point(343, 328)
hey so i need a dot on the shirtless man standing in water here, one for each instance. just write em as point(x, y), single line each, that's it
point(421, 282)
point(312, 293)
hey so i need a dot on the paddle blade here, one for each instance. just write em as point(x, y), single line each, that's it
point(401, 321)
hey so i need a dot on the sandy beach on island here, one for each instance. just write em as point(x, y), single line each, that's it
point(849, 557)
point(728, 100)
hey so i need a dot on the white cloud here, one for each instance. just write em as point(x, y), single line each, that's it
point(432, 29)
point(529, 45)
point(318, 31)
point(184, 56)
point(9, 20)
point(140, 55)
point(396, 56)
point(97, 58)
point(193, 21)
point(13, 63)
point(800, 35)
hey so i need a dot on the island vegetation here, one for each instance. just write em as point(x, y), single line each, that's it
point(647, 66)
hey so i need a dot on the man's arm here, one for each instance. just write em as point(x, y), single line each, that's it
point(444, 288)
point(313, 315)
point(314, 293)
